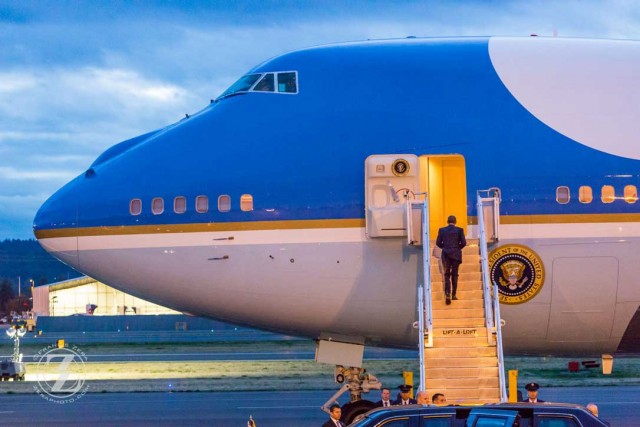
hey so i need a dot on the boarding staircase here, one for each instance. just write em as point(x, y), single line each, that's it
point(461, 348)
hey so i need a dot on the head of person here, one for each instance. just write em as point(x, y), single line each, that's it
point(335, 411)
point(405, 389)
point(532, 390)
point(439, 399)
point(422, 398)
point(593, 408)
point(385, 394)
point(451, 219)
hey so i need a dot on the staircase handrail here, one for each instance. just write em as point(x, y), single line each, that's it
point(490, 290)
point(426, 271)
point(496, 311)
point(425, 318)
point(484, 259)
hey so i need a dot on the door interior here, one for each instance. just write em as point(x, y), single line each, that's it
point(443, 177)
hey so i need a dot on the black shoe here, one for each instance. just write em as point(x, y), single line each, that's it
point(448, 300)
point(455, 298)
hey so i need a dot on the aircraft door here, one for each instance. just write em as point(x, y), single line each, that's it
point(390, 179)
point(443, 177)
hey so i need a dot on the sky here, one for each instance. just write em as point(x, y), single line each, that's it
point(77, 77)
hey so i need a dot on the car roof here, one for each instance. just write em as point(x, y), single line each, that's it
point(525, 409)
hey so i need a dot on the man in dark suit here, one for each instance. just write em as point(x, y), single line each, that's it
point(334, 419)
point(451, 240)
point(385, 398)
point(405, 397)
point(532, 393)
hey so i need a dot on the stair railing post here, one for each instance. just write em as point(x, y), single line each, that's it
point(425, 319)
point(496, 310)
point(486, 283)
point(491, 292)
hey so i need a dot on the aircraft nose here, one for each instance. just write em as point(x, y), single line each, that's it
point(55, 225)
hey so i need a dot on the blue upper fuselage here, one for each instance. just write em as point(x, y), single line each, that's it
point(301, 156)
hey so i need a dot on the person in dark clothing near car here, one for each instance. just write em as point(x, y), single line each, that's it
point(532, 393)
point(335, 413)
point(405, 396)
point(451, 240)
point(385, 398)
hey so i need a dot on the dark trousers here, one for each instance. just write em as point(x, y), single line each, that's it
point(450, 274)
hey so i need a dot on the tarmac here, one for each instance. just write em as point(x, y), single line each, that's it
point(619, 405)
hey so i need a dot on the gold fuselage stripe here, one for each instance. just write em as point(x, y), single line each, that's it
point(311, 224)
point(200, 227)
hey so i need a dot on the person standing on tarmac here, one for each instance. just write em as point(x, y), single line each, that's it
point(335, 412)
point(385, 398)
point(422, 398)
point(532, 393)
point(451, 240)
point(405, 397)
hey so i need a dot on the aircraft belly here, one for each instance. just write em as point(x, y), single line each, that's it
point(303, 288)
point(298, 283)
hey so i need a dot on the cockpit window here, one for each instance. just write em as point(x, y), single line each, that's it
point(242, 85)
point(266, 84)
point(283, 82)
point(287, 82)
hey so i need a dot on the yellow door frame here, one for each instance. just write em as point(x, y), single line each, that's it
point(443, 178)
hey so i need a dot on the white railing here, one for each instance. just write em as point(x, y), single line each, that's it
point(490, 293)
point(425, 318)
point(496, 311)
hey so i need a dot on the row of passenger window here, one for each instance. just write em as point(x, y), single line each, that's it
point(607, 194)
point(201, 204)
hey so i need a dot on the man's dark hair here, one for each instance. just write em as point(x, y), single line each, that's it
point(435, 396)
point(334, 406)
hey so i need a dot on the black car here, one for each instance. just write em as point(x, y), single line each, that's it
point(490, 415)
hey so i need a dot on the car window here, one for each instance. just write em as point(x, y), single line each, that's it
point(396, 422)
point(555, 421)
point(483, 421)
point(436, 421)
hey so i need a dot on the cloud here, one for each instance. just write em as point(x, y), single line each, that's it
point(13, 174)
point(76, 80)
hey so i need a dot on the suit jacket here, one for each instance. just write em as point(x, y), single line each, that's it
point(527, 400)
point(379, 403)
point(330, 423)
point(451, 240)
point(399, 401)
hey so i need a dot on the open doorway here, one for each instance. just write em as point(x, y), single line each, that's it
point(444, 179)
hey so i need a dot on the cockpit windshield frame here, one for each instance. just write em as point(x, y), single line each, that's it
point(275, 82)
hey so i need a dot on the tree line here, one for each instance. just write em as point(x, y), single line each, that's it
point(24, 262)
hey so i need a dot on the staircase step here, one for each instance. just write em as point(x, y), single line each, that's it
point(451, 312)
point(440, 303)
point(466, 395)
point(463, 372)
point(458, 361)
point(437, 284)
point(457, 333)
point(463, 383)
point(434, 353)
point(463, 276)
point(467, 266)
point(461, 342)
point(468, 322)
point(471, 249)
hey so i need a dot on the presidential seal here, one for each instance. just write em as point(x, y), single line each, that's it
point(518, 271)
point(400, 167)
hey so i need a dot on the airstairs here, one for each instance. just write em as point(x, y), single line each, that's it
point(461, 354)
